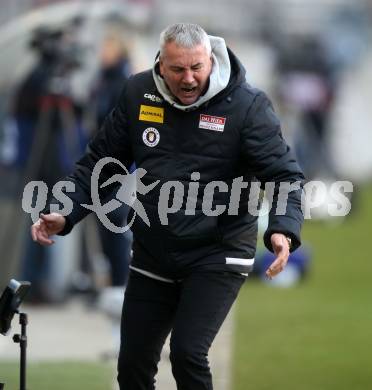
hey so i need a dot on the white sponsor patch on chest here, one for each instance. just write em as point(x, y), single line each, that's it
point(210, 122)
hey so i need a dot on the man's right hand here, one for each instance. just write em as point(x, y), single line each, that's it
point(47, 226)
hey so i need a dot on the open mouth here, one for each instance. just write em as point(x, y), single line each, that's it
point(188, 89)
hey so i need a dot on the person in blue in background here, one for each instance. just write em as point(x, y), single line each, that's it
point(115, 68)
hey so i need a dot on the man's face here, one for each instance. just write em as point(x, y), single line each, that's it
point(186, 71)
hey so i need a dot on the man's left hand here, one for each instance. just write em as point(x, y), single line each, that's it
point(280, 246)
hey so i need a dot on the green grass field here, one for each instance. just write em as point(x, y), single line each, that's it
point(60, 376)
point(317, 336)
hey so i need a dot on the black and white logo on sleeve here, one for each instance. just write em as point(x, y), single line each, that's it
point(151, 137)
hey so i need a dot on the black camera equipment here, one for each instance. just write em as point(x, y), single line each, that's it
point(45, 97)
point(56, 48)
point(10, 301)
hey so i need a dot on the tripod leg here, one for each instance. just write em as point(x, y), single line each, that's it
point(23, 320)
point(21, 339)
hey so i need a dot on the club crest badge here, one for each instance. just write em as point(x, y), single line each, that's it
point(151, 137)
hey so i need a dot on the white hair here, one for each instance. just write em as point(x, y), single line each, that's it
point(185, 35)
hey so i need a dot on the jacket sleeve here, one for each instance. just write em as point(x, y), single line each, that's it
point(270, 159)
point(112, 140)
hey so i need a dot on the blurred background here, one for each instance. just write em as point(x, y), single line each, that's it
point(62, 65)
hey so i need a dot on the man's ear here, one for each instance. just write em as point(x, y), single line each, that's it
point(161, 65)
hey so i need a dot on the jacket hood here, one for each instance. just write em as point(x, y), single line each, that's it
point(225, 69)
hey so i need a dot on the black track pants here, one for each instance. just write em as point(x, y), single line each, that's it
point(194, 309)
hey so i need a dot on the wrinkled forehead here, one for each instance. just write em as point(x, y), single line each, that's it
point(174, 54)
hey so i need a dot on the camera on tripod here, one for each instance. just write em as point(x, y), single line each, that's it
point(59, 54)
point(56, 47)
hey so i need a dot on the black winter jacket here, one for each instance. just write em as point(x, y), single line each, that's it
point(249, 145)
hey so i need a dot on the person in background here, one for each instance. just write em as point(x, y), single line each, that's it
point(114, 70)
point(307, 86)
